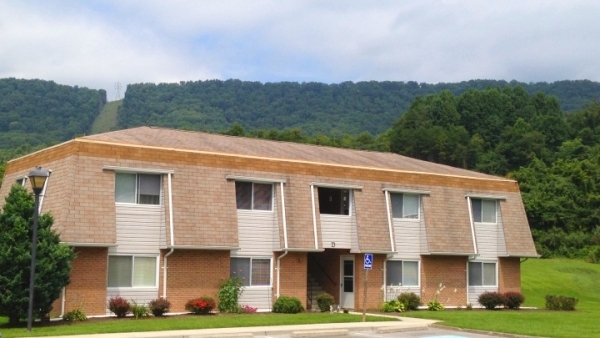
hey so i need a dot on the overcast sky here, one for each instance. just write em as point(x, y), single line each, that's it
point(96, 44)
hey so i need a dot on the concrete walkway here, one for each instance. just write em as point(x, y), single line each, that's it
point(296, 331)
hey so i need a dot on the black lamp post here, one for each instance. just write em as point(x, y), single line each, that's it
point(38, 179)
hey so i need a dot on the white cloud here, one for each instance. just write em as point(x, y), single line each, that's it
point(98, 43)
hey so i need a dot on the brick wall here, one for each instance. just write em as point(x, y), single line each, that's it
point(293, 276)
point(87, 290)
point(451, 272)
point(193, 273)
point(509, 274)
point(374, 283)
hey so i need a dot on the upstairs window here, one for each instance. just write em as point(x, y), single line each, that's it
point(402, 273)
point(21, 181)
point(482, 274)
point(405, 205)
point(137, 188)
point(253, 196)
point(334, 201)
point(484, 210)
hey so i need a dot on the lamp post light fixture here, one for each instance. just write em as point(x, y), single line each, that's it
point(38, 179)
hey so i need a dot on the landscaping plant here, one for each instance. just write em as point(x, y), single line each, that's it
point(202, 305)
point(410, 300)
point(490, 300)
point(285, 304)
point(76, 315)
point(324, 301)
point(139, 310)
point(119, 306)
point(229, 294)
point(159, 306)
point(513, 299)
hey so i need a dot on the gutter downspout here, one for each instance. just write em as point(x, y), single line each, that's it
point(314, 212)
point(474, 240)
point(171, 227)
point(388, 256)
point(62, 303)
point(285, 240)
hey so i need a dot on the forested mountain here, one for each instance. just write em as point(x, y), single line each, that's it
point(315, 108)
point(36, 113)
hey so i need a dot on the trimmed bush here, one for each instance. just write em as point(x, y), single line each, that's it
point(202, 305)
point(159, 306)
point(285, 304)
point(513, 300)
point(563, 303)
point(324, 300)
point(410, 300)
point(490, 300)
point(119, 306)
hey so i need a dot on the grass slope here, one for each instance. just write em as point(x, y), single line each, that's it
point(540, 277)
point(107, 119)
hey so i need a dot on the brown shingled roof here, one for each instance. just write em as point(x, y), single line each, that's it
point(242, 146)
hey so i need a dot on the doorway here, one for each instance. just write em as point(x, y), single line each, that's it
point(347, 282)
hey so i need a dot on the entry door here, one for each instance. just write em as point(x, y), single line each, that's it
point(347, 282)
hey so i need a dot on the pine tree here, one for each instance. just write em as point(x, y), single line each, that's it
point(53, 263)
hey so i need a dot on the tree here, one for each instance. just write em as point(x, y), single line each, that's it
point(53, 263)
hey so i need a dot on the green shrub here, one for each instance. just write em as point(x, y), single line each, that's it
point(285, 304)
point(593, 254)
point(513, 300)
point(393, 306)
point(229, 294)
point(139, 310)
point(324, 301)
point(202, 305)
point(410, 300)
point(434, 305)
point(159, 306)
point(563, 303)
point(74, 316)
point(119, 306)
point(490, 300)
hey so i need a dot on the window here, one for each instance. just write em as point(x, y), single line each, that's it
point(482, 274)
point(405, 205)
point(137, 188)
point(484, 211)
point(21, 181)
point(402, 273)
point(131, 271)
point(253, 271)
point(253, 196)
point(334, 201)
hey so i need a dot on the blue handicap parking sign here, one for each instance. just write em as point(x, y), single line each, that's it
point(368, 261)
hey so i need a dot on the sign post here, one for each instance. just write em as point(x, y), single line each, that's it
point(368, 266)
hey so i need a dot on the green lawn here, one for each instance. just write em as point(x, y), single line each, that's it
point(539, 278)
point(182, 323)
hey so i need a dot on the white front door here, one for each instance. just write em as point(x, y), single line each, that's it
point(347, 282)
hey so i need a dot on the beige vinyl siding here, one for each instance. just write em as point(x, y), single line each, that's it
point(407, 236)
point(336, 229)
point(258, 232)
point(140, 229)
point(260, 297)
point(490, 238)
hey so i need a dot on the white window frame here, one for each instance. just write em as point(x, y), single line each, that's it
point(22, 181)
point(137, 187)
point(418, 285)
point(482, 273)
point(252, 196)
point(350, 200)
point(132, 272)
point(484, 200)
point(251, 259)
point(403, 213)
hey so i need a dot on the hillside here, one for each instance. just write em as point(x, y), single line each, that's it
point(315, 108)
point(36, 113)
